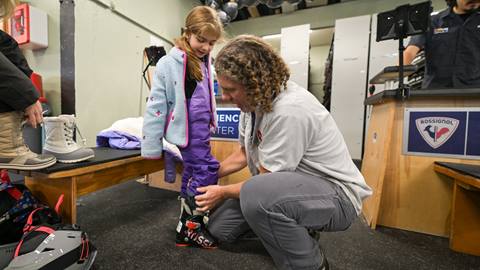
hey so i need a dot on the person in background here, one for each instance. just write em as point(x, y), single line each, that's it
point(181, 109)
point(452, 47)
point(18, 102)
point(304, 179)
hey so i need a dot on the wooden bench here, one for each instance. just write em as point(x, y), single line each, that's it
point(109, 167)
point(465, 219)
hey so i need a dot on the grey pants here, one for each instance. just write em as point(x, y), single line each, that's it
point(280, 207)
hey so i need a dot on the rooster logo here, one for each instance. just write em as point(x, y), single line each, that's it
point(436, 130)
point(435, 135)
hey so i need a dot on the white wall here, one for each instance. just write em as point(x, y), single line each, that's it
point(46, 62)
point(109, 57)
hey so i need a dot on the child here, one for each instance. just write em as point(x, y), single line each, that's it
point(181, 108)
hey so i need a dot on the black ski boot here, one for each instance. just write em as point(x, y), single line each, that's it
point(191, 229)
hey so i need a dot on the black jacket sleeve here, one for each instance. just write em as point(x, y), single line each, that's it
point(16, 89)
point(9, 48)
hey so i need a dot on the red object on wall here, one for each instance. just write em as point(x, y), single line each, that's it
point(19, 24)
point(29, 27)
point(37, 82)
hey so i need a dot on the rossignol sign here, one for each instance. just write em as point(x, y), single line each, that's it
point(447, 132)
point(436, 130)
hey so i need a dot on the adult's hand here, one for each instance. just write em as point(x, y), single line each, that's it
point(33, 113)
point(212, 195)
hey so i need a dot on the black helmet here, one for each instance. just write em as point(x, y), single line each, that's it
point(54, 247)
point(48, 244)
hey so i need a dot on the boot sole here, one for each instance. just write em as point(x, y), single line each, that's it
point(75, 160)
point(27, 167)
point(194, 246)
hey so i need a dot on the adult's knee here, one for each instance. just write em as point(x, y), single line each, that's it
point(223, 224)
point(220, 232)
point(221, 235)
point(253, 198)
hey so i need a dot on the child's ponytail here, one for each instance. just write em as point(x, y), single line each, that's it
point(200, 21)
point(194, 69)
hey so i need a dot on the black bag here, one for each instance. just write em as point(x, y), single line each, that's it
point(16, 204)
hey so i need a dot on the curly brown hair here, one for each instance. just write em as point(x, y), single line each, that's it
point(200, 20)
point(255, 64)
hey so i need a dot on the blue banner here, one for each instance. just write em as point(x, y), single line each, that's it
point(227, 128)
point(473, 135)
point(439, 132)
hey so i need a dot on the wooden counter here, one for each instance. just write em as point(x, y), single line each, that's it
point(407, 193)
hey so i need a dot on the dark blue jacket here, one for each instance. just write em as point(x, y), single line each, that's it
point(16, 89)
point(452, 51)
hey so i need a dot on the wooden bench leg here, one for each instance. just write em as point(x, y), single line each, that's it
point(49, 190)
point(465, 229)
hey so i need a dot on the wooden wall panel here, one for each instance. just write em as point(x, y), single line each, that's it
point(221, 150)
point(376, 156)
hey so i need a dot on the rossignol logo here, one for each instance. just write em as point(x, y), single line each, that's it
point(199, 239)
point(436, 130)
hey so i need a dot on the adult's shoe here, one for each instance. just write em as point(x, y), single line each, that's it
point(14, 153)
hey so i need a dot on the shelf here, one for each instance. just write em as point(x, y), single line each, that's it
point(391, 74)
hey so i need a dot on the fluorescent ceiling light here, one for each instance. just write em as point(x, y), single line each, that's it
point(272, 36)
point(279, 35)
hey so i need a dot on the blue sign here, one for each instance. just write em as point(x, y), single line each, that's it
point(442, 132)
point(473, 135)
point(437, 132)
point(227, 125)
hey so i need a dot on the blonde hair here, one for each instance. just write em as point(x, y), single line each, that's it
point(200, 20)
point(255, 64)
point(7, 7)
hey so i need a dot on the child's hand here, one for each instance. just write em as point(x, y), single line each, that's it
point(212, 195)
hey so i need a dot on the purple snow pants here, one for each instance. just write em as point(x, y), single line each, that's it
point(200, 168)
